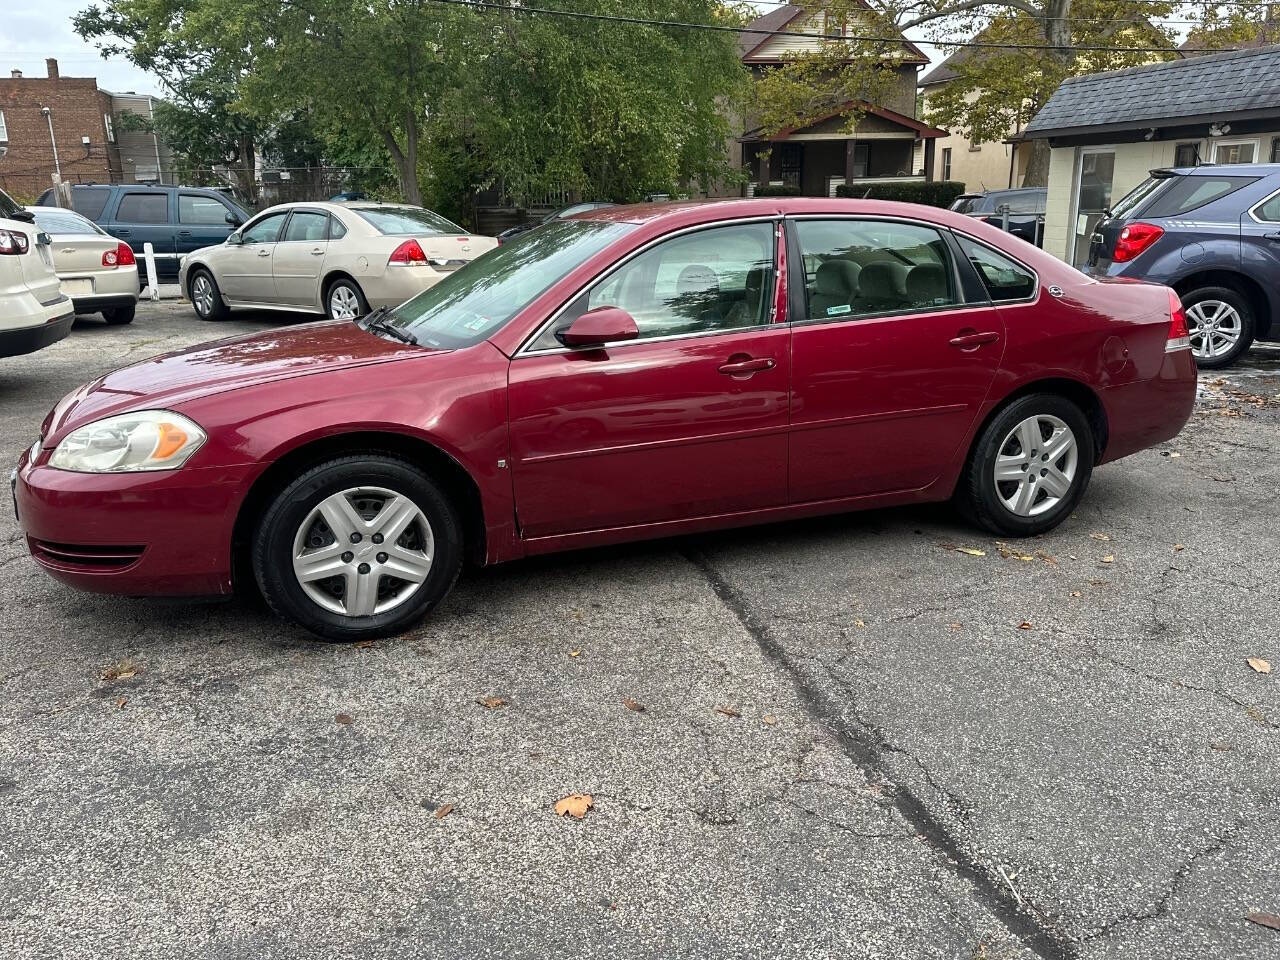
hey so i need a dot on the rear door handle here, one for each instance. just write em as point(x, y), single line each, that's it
point(1271, 236)
point(184, 233)
point(971, 341)
point(122, 233)
point(746, 366)
point(318, 252)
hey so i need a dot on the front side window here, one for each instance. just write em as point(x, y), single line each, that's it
point(143, 208)
point(1005, 279)
point(860, 268)
point(266, 230)
point(193, 208)
point(307, 225)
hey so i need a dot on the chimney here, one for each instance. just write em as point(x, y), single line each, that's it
point(16, 74)
point(52, 66)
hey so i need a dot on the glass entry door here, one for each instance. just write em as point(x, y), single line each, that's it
point(1094, 177)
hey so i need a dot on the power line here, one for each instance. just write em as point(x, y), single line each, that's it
point(1021, 15)
point(720, 28)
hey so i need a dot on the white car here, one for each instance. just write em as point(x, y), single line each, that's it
point(34, 312)
point(97, 271)
point(338, 259)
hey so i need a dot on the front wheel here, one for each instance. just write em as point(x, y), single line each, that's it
point(206, 297)
point(357, 548)
point(1030, 467)
point(1220, 323)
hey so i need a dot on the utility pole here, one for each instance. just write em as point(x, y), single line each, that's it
point(59, 190)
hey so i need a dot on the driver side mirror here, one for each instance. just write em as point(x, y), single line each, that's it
point(598, 327)
point(235, 240)
point(233, 220)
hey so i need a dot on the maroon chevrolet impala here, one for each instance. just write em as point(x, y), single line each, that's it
point(632, 372)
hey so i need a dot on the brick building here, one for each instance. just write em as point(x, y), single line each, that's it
point(83, 130)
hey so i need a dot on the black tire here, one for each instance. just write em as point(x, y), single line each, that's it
point(274, 539)
point(1237, 302)
point(119, 316)
point(982, 499)
point(343, 284)
point(212, 308)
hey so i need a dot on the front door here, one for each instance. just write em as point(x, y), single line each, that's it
point(244, 269)
point(890, 366)
point(688, 420)
point(298, 260)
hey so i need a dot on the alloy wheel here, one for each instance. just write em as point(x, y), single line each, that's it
point(1036, 465)
point(343, 303)
point(363, 551)
point(1215, 328)
point(202, 295)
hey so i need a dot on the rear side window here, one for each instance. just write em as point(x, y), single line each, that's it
point(336, 229)
point(193, 208)
point(1269, 211)
point(1005, 279)
point(89, 201)
point(144, 208)
point(1130, 201)
point(858, 268)
point(1189, 193)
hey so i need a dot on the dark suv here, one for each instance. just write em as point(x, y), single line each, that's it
point(174, 220)
point(1213, 234)
point(1026, 210)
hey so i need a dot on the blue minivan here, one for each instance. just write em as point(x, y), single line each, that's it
point(1213, 234)
point(174, 220)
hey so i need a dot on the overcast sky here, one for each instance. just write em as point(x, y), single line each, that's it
point(43, 29)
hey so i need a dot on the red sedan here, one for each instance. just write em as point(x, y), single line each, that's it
point(633, 372)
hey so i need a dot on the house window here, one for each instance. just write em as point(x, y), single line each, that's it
point(946, 163)
point(1186, 155)
point(1275, 149)
point(4, 130)
point(111, 130)
point(1235, 151)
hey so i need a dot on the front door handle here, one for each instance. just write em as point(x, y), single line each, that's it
point(318, 252)
point(743, 366)
point(184, 233)
point(264, 253)
point(972, 340)
point(1271, 236)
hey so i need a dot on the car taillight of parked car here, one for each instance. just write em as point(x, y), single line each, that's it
point(408, 254)
point(1179, 335)
point(121, 256)
point(13, 243)
point(1134, 239)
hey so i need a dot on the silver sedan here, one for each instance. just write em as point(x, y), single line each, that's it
point(97, 271)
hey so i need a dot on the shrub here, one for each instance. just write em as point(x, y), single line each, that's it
point(769, 190)
point(932, 193)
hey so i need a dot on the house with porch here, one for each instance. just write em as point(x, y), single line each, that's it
point(887, 142)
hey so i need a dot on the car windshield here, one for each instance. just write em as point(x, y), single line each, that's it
point(471, 304)
point(58, 222)
point(1129, 202)
point(407, 221)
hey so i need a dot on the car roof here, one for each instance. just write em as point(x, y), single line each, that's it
point(692, 212)
point(1235, 169)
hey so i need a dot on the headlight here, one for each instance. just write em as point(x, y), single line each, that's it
point(144, 440)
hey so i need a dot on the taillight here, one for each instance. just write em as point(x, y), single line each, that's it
point(1134, 239)
point(408, 254)
point(121, 256)
point(13, 243)
point(1179, 335)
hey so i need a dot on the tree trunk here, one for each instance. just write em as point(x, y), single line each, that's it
point(1038, 165)
point(246, 171)
point(406, 160)
point(1057, 33)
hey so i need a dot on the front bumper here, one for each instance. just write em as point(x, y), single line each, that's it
point(152, 533)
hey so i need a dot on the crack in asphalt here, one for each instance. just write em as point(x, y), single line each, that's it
point(866, 747)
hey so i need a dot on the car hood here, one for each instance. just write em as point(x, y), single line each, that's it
point(166, 381)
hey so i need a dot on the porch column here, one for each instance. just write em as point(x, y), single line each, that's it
point(928, 158)
point(849, 147)
point(769, 163)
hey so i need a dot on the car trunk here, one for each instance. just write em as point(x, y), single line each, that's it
point(77, 257)
point(1102, 243)
point(448, 253)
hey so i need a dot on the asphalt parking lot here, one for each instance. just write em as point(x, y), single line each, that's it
point(881, 735)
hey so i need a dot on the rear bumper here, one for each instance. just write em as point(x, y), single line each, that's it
point(1148, 412)
point(15, 342)
point(398, 284)
point(141, 534)
point(103, 302)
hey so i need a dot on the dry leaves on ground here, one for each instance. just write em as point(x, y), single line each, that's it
point(1178, 548)
point(1259, 665)
point(633, 705)
point(1100, 536)
point(769, 719)
point(575, 805)
point(970, 551)
point(344, 719)
point(491, 703)
point(121, 671)
point(364, 644)
point(444, 810)
point(121, 702)
point(1264, 919)
point(1026, 625)
point(727, 711)
point(575, 653)
point(1109, 558)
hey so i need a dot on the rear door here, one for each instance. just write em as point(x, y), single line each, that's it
point(142, 217)
point(298, 261)
point(891, 361)
point(202, 221)
point(1260, 240)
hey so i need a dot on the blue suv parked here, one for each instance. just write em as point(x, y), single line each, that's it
point(174, 220)
point(1213, 234)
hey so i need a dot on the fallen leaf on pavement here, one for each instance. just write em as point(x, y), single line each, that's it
point(121, 702)
point(345, 719)
point(121, 671)
point(956, 626)
point(860, 624)
point(1219, 746)
point(1100, 536)
point(1109, 558)
point(970, 551)
point(575, 805)
point(769, 719)
point(491, 703)
point(728, 712)
point(574, 653)
point(364, 644)
point(1075, 593)
point(1263, 919)
point(1259, 665)
point(632, 705)
point(1026, 625)
point(444, 811)
point(1178, 548)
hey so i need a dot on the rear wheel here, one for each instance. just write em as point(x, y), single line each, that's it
point(1030, 466)
point(206, 297)
point(357, 548)
point(119, 316)
point(344, 300)
point(1221, 323)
